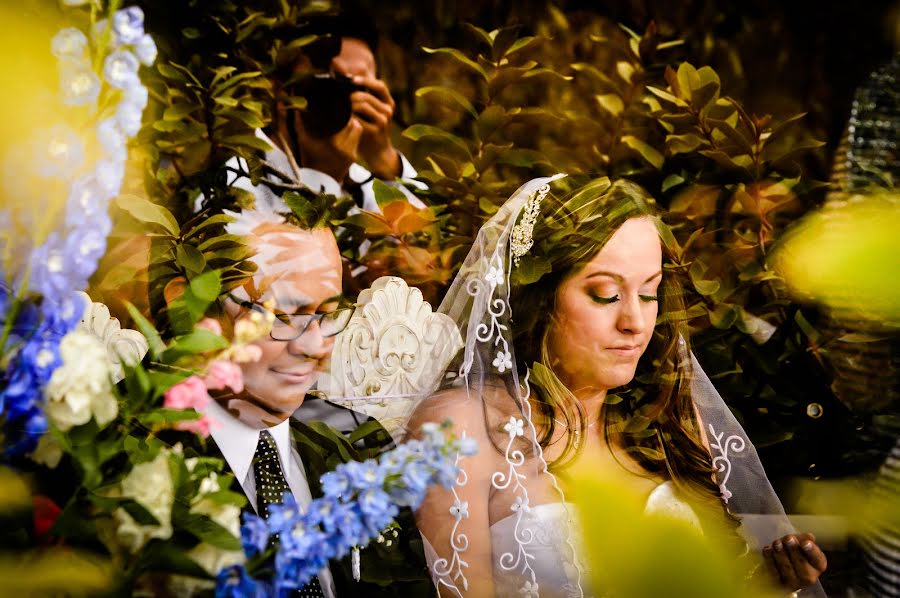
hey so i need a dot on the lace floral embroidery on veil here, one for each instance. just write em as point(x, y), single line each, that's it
point(721, 462)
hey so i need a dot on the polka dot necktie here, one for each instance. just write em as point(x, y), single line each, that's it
point(270, 488)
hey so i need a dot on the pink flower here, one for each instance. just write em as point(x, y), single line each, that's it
point(210, 324)
point(197, 426)
point(223, 373)
point(187, 394)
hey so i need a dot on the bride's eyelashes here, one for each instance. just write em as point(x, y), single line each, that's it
point(607, 300)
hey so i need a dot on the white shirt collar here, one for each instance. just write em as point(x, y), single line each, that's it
point(238, 441)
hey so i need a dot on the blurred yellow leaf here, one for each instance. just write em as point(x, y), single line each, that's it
point(848, 257)
point(52, 571)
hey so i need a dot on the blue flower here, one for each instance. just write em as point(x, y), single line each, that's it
point(254, 534)
point(335, 483)
point(235, 582)
point(281, 516)
point(69, 43)
point(84, 246)
point(128, 25)
point(121, 69)
point(58, 151)
point(79, 84)
point(61, 315)
point(24, 439)
point(364, 475)
point(40, 354)
point(145, 48)
point(377, 509)
point(49, 276)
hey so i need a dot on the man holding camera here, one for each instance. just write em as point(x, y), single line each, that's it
point(347, 119)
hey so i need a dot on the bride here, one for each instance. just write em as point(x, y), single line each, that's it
point(563, 298)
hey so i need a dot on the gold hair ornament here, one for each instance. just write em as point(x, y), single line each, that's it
point(521, 233)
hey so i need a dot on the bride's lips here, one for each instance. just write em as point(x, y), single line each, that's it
point(625, 350)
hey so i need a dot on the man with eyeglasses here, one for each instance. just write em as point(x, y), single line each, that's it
point(298, 287)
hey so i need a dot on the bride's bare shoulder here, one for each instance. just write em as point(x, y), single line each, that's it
point(477, 412)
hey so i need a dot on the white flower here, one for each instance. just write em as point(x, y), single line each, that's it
point(58, 151)
point(79, 84)
point(109, 175)
point(69, 43)
point(121, 69)
point(128, 25)
point(150, 484)
point(494, 277)
point(130, 115)
point(48, 451)
point(460, 509)
point(136, 97)
point(519, 503)
point(514, 427)
point(145, 48)
point(111, 138)
point(503, 361)
point(529, 590)
point(81, 386)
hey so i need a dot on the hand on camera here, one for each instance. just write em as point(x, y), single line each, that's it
point(374, 109)
point(332, 155)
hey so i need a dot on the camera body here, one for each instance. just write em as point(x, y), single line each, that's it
point(328, 107)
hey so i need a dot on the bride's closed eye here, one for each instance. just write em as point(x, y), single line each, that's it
point(607, 300)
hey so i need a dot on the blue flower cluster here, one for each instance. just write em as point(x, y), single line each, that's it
point(68, 255)
point(360, 500)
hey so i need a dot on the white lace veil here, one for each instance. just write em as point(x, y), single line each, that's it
point(487, 399)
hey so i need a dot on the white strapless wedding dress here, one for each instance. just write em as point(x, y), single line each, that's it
point(549, 536)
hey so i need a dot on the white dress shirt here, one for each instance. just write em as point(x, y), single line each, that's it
point(238, 441)
point(318, 181)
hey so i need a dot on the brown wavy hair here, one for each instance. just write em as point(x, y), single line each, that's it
point(653, 417)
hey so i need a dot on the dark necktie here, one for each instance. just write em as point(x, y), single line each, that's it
point(270, 488)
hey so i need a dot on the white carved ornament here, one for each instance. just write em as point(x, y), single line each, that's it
point(123, 346)
point(394, 349)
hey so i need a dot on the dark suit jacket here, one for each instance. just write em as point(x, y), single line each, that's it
point(326, 435)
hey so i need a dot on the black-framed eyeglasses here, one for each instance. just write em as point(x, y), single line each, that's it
point(288, 327)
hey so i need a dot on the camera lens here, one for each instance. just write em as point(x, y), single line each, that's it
point(328, 108)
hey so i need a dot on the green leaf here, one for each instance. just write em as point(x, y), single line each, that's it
point(138, 512)
point(683, 144)
point(723, 316)
point(460, 58)
point(198, 341)
point(149, 212)
point(168, 557)
point(530, 269)
point(517, 45)
point(611, 102)
point(201, 292)
point(385, 194)
point(644, 150)
point(190, 258)
point(448, 96)
point(157, 346)
point(209, 531)
point(247, 141)
point(418, 132)
point(521, 157)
